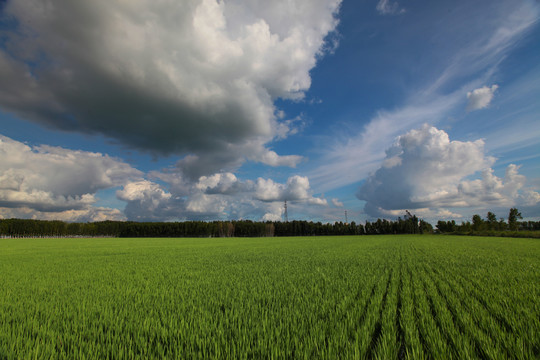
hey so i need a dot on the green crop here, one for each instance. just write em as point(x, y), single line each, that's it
point(357, 297)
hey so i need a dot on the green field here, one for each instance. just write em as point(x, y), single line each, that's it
point(388, 297)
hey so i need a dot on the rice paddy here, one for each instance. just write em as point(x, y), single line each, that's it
point(355, 297)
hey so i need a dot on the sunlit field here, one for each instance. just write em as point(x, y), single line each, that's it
point(388, 297)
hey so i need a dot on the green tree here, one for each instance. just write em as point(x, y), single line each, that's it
point(477, 222)
point(425, 227)
point(492, 221)
point(513, 217)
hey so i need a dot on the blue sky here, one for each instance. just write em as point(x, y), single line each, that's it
point(208, 110)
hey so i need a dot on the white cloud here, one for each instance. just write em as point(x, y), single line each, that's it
point(387, 7)
point(142, 190)
point(480, 98)
point(218, 196)
point(274, 212)
point(222, 183)
point(55, 180)
point(337, 203)
point(297, 188)
point(146, 200)
point(150, 201)
point(207, 205)
point(431, 177)
point(192, 77)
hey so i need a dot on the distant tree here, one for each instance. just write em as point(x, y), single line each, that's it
point(425, 227)
point(501, 224)
point(477, 222)
point(492, 221)
point(465, 226)
point(446, 226)
point(513, 217)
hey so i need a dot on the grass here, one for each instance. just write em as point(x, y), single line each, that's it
point(388, 297)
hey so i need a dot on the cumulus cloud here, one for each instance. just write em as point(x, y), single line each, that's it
point(274, 212)
point(217, 196)
point(57, 181)
point(192, 77)
point(142, 190)
point(149, 201)
point(297, 188)
point(480, 98)
point(146, 201)
point(223, 183)
point(426, 172)
point(387, 7)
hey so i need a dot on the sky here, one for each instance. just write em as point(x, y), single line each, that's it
point(219, 110)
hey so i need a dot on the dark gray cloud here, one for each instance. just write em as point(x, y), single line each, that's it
point(189, 77)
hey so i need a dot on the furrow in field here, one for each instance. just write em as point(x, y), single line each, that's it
point(399, 310)
point(460, 347)
point(440, 314)
point(465, 317)
point(418, 317)
point(476, 291)
point(429, 325)
point(368, 328)
point(502, 340)
point(413, 345)
point(375, 336)
point(354, 315)
point(388, 343)
point(458, 317)
point(367, 301)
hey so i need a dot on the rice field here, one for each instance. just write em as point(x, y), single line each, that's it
point(358, 297)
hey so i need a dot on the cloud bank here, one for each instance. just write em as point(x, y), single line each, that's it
point(426, 172)
point(51, 182)
point(195, 78)
point(218, 196)
point(45, 182)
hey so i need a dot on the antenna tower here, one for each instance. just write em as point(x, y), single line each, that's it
point(286, 215)
point(346, 220)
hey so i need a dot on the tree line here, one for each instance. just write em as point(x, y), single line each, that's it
point(489, 225)
point(242, 228)
point(410, 224)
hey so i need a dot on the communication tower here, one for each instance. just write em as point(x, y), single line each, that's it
point(285, 214)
